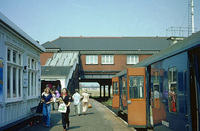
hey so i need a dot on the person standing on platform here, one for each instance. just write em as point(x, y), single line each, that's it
point(77, 97)
point(57, 93)
point(85, 101)
point(59, 88)
point(54, 96)
point(46, 99)
point(65, 116)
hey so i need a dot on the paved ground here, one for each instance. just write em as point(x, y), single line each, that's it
point(98, 118)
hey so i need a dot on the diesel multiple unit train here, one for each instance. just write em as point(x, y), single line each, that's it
point(163, 91)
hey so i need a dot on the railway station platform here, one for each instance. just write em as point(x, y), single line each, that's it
point(98, 118)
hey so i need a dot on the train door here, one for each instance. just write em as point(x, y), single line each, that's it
point(136, 83)
point(115, 99)
point(156, 88)
point(194, 58)
point(124, 93)
point(123, 97)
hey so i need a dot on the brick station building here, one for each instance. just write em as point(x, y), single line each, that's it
point(100, 58)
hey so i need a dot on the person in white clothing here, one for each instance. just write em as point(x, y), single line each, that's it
point(85, 101)
point(77, 97)
point(156, 94)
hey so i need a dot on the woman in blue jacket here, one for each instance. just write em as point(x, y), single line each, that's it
point(46, 99)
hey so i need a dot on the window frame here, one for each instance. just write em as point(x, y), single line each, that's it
point(114, 87)
point(129, 96)
point(130, 62)
point(124, 86)
point(17, 65)
point(32, 90)
point(156, 83)
point(110, 61)
point(171, 82)
point(93, 59)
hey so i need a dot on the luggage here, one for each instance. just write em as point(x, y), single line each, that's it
point(39, 108)
point(89, 105)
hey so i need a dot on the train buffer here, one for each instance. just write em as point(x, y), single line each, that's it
point(98, 118)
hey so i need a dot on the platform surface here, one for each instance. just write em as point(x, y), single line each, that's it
point(98, 118)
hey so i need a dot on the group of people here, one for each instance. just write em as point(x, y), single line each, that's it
point(51, 96)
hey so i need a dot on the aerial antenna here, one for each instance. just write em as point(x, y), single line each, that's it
point(190, 17)
point(192, 13)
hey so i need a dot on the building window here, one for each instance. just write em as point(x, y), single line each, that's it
point(32, 77)
point(32, 63)
point(19, 81)
point(136, 87)
point(91, 59)
point(172, 86)
point(107, 59)
point(20, 59)
point(14, 74)
point(35, 65)
point(14, 56)
point(115, 88)
point(8, 82)
point(132, 59)
point(8, 55)
point(29, 63)
point(156, 89)
point(14, 82)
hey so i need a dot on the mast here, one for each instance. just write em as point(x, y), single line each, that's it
point(192, 14)
point(190, 17)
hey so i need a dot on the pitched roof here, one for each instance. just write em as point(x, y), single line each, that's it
point(108, 43)
point(55, 71)
point(187, 44)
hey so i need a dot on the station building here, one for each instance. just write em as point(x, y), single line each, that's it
point(95, 59)
point(20, 72)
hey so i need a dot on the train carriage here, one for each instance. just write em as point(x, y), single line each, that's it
point(165, 87)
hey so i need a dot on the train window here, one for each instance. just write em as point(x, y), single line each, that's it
point(115, 88)
point(172, 88)
point(136, 87)
point(124, 85)
point(156, 90)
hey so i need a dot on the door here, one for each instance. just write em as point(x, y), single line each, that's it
point(136, 97)
point(115, 99)
point(194, 58)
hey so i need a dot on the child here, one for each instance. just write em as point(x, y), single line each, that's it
point(54, 99)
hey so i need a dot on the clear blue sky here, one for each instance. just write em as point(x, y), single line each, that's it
point(46, 20)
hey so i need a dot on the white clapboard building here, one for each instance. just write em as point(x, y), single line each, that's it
point(20, 71)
